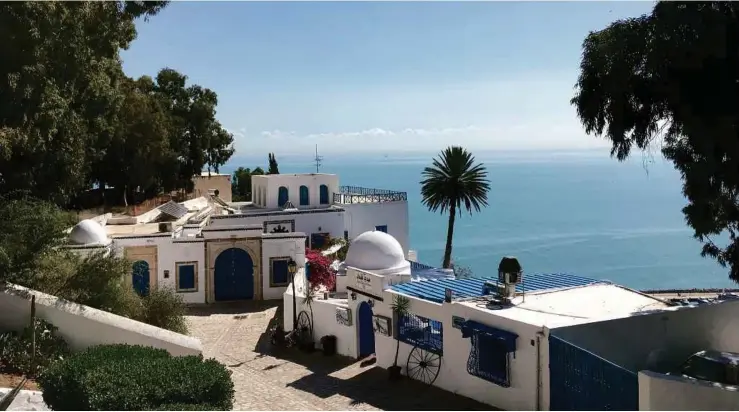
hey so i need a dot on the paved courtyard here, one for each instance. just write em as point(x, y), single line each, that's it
point(269, 378)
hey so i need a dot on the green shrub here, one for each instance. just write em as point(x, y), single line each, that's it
point(123, 377)
point(16, 349)
point(186, 407)
point(164, 308)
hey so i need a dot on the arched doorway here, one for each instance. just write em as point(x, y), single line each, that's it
point(140, 277)
point(233, 277)
point(366, 333)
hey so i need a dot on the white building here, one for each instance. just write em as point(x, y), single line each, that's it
point(209, 250)
point(560, 342)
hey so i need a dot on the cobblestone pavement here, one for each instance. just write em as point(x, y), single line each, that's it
point(269, 378)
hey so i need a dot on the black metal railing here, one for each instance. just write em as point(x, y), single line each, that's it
point(427, 334)
point(356, 194)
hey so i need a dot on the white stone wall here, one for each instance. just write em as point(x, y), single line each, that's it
point(82, 326)
point(364, 217)
point(279, 247)
point(659, 392)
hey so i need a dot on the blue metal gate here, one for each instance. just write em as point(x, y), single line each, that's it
point(234, 275)
point(366, 332)
point(140, 277)
point(582, 381)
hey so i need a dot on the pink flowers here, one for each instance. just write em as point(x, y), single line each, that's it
point(319, 269)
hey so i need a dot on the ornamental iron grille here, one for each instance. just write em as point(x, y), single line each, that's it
point(490, 352)
point(356, 194)
point(582, 381)
point(427, 334)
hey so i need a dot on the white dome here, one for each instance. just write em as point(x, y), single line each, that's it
point(375, 250)
point(88, 232)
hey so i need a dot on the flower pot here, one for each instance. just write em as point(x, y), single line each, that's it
point(328, 343)
point(394, 373)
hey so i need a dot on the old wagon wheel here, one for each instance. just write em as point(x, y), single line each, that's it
point(304, 328)
point(423, 365)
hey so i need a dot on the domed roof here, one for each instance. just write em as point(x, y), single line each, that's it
point(88, 232)
point(375, 250)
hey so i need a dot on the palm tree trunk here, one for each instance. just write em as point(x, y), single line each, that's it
point(449, 235)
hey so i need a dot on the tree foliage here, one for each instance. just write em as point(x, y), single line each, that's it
point(671, 77)
point(69, 117)
point(241, 183)
point(273, 169)
point(454, 183)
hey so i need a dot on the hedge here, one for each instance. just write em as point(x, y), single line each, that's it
point(124, 377)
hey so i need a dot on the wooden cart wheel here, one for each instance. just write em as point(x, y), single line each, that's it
point(423, 365)
point(304, 328)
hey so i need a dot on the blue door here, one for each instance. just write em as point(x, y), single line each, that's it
point(366, 334)
point(140, 277)
point(282, 196)
point(234, 275)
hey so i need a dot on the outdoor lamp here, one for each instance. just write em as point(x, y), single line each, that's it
point(292, 267)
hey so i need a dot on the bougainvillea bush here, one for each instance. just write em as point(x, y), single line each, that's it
point(319, 268)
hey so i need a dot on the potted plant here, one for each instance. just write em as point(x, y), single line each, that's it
point(310, 295)
point(400, 306)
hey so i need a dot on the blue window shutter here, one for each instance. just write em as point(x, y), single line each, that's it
point(307, 271)
point(186, 277)
point(304, 197)
point(381, 228)
point(279, 272)
point(324, 194)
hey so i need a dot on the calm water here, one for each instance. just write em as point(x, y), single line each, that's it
point(580, 213)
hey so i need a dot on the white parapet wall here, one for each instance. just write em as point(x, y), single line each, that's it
point(82, 326)
point(660, 392)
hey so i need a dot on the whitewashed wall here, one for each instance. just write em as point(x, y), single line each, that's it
point(453, 376)
point(658, 392)
point(678, 334)
point(82, 326)
point(271, 184)
point(169, 252)
point(329, 221)
point(364, 217)
point(273, 246)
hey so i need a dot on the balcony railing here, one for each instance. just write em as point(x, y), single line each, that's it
point(355, 194)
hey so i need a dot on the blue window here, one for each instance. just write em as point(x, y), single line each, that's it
point(187, 277)
point(427, 334)
point(282, 196)
point(324, 194)
point(346, 235)
point(279, 275)
point(318, 240)
point(490, 352)
point(381, 228)
point(307, 271)
point(304, 198)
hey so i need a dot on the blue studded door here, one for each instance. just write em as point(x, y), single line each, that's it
point(366, 332)
point(234, 275)
point(140, 277)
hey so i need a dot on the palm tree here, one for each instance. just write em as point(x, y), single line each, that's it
point(452, 183)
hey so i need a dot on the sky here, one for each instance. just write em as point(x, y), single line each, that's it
point(382, 76)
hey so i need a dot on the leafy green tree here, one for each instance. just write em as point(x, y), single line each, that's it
point(273, 169)
point(29, 232)
point(59, 70)
point(671, 78)
point(241, 184)
point(453, 183)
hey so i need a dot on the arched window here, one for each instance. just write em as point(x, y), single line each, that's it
point(282, 196)
point(324, 194)
point(304, 198)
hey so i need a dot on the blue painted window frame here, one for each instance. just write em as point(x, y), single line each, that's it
point(490, 352)
point(283, 195)
point(304, 196)
point(427, 334)
point(279, 275)
point(381, 228)
point(190, 277)
point(323, 190)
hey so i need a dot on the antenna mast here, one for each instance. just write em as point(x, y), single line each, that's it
point(317, 159)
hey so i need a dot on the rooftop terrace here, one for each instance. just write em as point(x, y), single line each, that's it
point(354, 194)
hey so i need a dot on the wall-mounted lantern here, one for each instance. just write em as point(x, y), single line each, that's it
point(371, 303)
point(292, 267)
point(353, 296)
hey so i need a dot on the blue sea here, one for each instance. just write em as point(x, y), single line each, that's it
point(566, 212)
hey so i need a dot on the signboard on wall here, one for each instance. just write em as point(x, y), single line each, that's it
point(366, 282)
